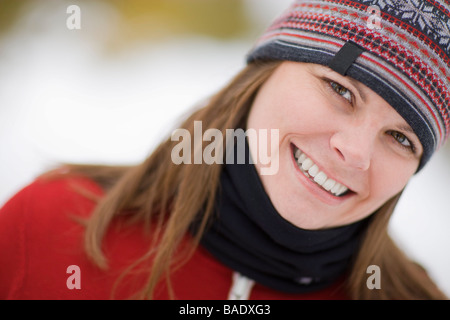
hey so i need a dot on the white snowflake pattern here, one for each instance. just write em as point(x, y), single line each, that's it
point(419, 13)
point(444, 34)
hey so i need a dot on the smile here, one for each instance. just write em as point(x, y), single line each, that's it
point(312, 171)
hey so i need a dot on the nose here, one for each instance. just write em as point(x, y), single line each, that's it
point(354, 145)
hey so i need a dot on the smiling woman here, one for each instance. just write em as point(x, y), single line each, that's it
point(326, 131)
point(358, 110)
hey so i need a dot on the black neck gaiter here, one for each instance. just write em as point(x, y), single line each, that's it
point(248, 235)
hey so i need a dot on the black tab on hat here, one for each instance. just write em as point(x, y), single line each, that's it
point(345, 57)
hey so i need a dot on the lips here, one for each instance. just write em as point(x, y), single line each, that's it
point(313, 172)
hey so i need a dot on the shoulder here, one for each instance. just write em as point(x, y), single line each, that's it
point(47, 195)
point(37, 223)
point(49, 204)
point(58, 191)
point(48, 201)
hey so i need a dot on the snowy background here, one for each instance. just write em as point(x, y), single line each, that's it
point(101, 94)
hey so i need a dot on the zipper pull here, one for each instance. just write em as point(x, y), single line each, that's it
point(241, 287)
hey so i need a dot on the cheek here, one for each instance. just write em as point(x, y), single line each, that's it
point(390, 177)
point(290, 113)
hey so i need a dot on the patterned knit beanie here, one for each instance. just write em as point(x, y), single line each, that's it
point(398, 48)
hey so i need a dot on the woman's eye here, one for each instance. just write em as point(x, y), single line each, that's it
point(402, 140)
point(342, 91)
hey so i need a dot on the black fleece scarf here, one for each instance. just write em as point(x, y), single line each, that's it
point(248, 235)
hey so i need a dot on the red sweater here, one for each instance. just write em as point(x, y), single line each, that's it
point(40, 240)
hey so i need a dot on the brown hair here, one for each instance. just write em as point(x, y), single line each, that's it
point(169, 197)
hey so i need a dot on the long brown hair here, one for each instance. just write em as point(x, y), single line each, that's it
point(167, 198)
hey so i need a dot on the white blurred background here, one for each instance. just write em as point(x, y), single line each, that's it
point(108, 92)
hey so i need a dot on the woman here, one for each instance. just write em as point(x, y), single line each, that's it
point(358, 99)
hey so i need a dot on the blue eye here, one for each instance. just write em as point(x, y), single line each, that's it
point(342, 91)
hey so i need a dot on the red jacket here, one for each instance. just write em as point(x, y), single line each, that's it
point(42, 255)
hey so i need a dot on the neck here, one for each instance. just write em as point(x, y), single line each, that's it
point(248, 235)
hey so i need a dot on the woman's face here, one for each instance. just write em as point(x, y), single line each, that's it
point(343, 151)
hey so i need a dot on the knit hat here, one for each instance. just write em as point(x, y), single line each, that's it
point(398, 48)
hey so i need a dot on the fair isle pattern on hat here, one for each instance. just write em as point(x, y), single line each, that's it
point(405, 56)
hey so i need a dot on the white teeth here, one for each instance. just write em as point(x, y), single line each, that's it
point(307, 164)
point(313, 171)
point(336, 188)
point(320, 178)
point(329, 184)
point(342, 190)
point(310, 169)
point(301, 158)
